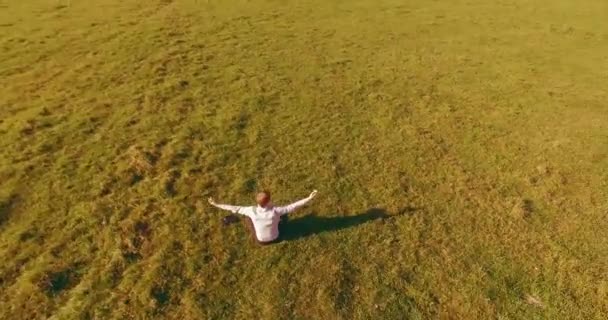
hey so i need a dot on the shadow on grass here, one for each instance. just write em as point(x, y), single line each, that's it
point(6, 205)
point(312, 224)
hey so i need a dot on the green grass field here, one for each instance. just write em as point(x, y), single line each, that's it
point(460, 150)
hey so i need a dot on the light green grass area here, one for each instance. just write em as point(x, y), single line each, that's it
point(479, 128)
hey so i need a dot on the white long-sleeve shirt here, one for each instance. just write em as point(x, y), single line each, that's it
point(265, 220)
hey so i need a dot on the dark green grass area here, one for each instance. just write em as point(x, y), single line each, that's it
point(460, 150)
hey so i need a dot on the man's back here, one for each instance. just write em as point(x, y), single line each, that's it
point(265, 222)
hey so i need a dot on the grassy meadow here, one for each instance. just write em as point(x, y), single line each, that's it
point(460, 150)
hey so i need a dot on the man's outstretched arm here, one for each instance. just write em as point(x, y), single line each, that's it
point(227, 207)
point(292, 207)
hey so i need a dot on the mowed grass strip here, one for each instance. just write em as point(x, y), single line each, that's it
point(460, 150)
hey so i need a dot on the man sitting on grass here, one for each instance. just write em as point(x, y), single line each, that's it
point(263, 220)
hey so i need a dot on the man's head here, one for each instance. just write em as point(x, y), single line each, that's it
point(262, 198)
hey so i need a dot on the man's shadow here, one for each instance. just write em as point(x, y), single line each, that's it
point(305, 226)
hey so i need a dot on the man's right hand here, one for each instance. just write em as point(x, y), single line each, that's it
point(313, 194)
point(211, 201)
